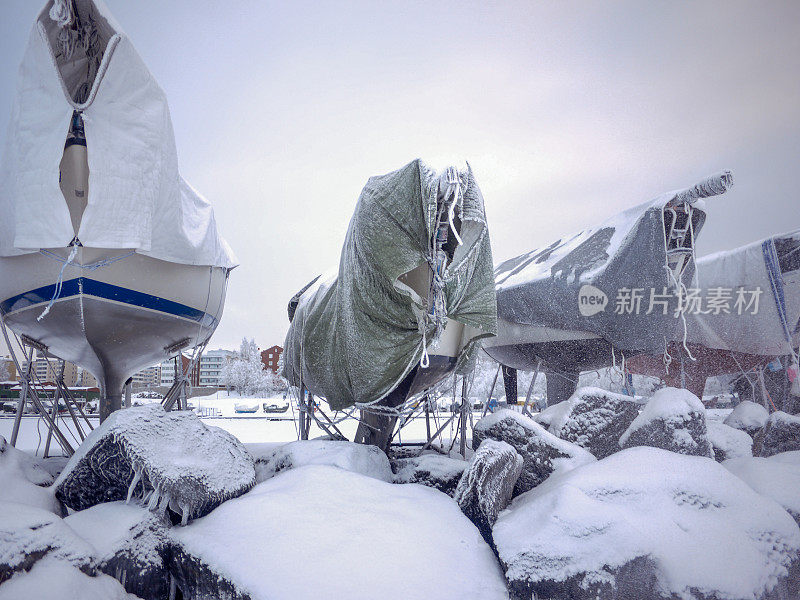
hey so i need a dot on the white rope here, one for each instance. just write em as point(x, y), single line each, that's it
point(453, 180)
point(59, 283)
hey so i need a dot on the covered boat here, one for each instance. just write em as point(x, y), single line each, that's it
point(411, 297)
point(108, 258)
point(746, 316)
point(609, 291)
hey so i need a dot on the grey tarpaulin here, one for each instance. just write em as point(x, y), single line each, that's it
point(355, 332)
point(628, 251)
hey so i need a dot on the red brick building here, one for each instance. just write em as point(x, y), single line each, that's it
point(270, 358)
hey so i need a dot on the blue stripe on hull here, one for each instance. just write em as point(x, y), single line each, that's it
point(105, 291)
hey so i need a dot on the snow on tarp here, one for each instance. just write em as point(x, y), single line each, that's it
point(758, 329)
point(772, 477)
point(166, 458)
point(673, 419)
point(136, 199)
point(57, 580)
point(358, 458)
point(646, 523)
point(540, 288)
point(322, 532)
point(19, 476)
point(355, 334)
point(29, 534)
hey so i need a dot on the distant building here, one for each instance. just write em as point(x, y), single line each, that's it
point(208, 373)
point(211, 365)
point(270, 358)
point(86, 379)
point(49, 370)
point(149, 377)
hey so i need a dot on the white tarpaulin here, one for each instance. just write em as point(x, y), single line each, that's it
point(759, 288)
point(136, 199)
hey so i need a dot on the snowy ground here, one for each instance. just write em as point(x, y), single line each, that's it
point(258, 427)
point(248, 428)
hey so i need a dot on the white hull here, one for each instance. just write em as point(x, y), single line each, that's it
point(113, 319)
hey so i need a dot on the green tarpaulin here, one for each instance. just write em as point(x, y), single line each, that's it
point(357, 332)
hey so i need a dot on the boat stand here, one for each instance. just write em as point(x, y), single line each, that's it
point(32, 391)
point(177, 397)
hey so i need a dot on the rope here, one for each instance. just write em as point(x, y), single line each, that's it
point(91, 267)
point(59, 283)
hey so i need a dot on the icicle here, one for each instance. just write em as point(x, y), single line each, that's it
point(154, 499)
point(172, 587)
point(162, 506)
point(137, 475)
point(184, 513)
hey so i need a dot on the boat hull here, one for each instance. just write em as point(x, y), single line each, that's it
point(117, 311)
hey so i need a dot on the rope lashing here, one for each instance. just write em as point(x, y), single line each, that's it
point(454, 182)
point(59, 283)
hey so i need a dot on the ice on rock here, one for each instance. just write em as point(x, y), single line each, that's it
point(51, 579)
point(542, 452)
point(28, 534)
point(130, 543)
point(675, 420)
point(748, 416)
point(358, 458)
point(323, 532)
point(21, 479)
point(594, 419)
point(728, 442)
point(648, 524)
point(433, 470)
point(486, 486)
point(781, 433)
point(163, 458)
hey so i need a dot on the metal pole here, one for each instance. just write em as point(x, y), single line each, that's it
point(525, 410)
point(54, 408)
point(428, 417)
point(23, 393)
point(465, 406)
point(491, 390)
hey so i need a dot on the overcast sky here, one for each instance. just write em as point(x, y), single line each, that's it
point(567, 111)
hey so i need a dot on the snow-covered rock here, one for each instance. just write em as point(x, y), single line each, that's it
point(792, 457)
point(31, 466)
point(674, 419)
point(359, 458)
point(486, 486)
point(772, 477)
point(645, 523)
point(595, 419)
point(166, 458)
point(542, 452)
point(728, 442)
point(29, 534)
point(433, 470)
point(748, 416)
point(781, 433)
point(51, 579)
point(21, 479)
point(554, 412)
point(130, 543)
point(323, 532)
